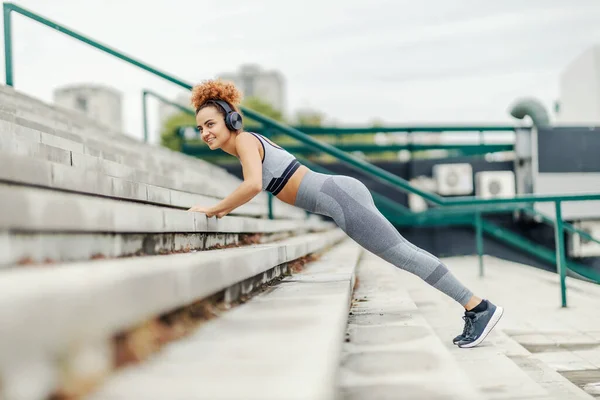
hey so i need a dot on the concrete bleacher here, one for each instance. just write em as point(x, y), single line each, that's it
point(283, 344)
point(60, 158)
point(79, 199)
point(111, 289)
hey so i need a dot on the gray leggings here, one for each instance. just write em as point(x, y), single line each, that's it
point(349, 203)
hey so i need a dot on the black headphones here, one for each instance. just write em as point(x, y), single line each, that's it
point(233, 119)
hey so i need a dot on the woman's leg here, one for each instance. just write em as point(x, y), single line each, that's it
point(350, 204)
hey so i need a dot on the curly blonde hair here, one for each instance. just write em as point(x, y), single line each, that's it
point(215, 90)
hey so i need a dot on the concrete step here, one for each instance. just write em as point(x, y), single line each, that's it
point(36, 121)
point(490, 366)
point(203, 184)
point(33, 171)
point(18, 249)
point(548, 378)
point(499, 368)
point(282, 344)
point(12, 144)
point(564, 339)
point(391, 351)
point(65, 318)
point(35, 209)
point(214, 182)
point(32, 128)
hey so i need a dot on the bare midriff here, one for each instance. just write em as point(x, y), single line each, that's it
point(290, 190)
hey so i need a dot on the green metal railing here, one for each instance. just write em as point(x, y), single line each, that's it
point(473, 205)
point(199, 150)
point(465, 149)
point(335, 130)
point(8, 58)
point(145, 94)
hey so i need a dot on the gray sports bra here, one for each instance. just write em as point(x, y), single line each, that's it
point(277, 166)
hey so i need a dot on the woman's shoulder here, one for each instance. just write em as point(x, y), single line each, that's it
point(262, 138)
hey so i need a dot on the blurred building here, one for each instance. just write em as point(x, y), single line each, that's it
point(269, 86)
point(101, 103)
point(579, 101)
point(165, 110)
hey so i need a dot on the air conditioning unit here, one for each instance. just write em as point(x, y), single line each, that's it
point(453, 179)
point(580, 247)
point(495, 184)
point(416, 202)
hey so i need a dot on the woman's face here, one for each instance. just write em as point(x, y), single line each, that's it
point(211, 125)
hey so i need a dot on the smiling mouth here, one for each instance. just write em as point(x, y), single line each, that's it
point(210, 141)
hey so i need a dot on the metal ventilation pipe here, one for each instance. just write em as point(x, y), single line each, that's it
point(532, 107)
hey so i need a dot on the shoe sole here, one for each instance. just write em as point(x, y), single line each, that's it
point(488, 328)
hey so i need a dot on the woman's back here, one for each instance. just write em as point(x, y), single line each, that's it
point(278, 165)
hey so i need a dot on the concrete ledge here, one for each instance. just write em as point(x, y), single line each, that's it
point(31, 171)
point(25, 135)
point(552, 381)
point(21, 249)
point(283, 344)
point(49, 131)
point(73, 165)
point(34, 209)
point(32, 147)
point(63, 127)
point(38, 150)
point(46, 313)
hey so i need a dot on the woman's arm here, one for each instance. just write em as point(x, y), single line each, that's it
point(243, 194)
point(251, 186)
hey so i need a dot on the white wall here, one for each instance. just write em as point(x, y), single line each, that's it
point(580, 90)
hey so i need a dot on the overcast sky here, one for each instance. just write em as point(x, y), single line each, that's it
point(427, 61)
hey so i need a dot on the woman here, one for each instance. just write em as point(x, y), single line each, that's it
point(266, 166)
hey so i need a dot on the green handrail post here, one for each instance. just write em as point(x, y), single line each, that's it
point(8, 59)
point(145, 115)
point(479, 240)
point(561, 260)
point(270, 206)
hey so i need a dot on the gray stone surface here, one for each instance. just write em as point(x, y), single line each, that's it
point(83, 303)
point(75, 134)
point(501, 368)
point(391, 352)
point(79, 180)
point(93, 175)
point(27, 170)
point(77, 130)
point(34, 149)
point(62, 143)
point(48, 210)
point(282, 344)
point(160, 195)
point(17, 249)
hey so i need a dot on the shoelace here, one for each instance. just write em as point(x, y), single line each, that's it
point(468, 325)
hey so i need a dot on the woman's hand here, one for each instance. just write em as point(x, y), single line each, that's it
point(203, 209)
point(209, 211)
point(222, 214)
